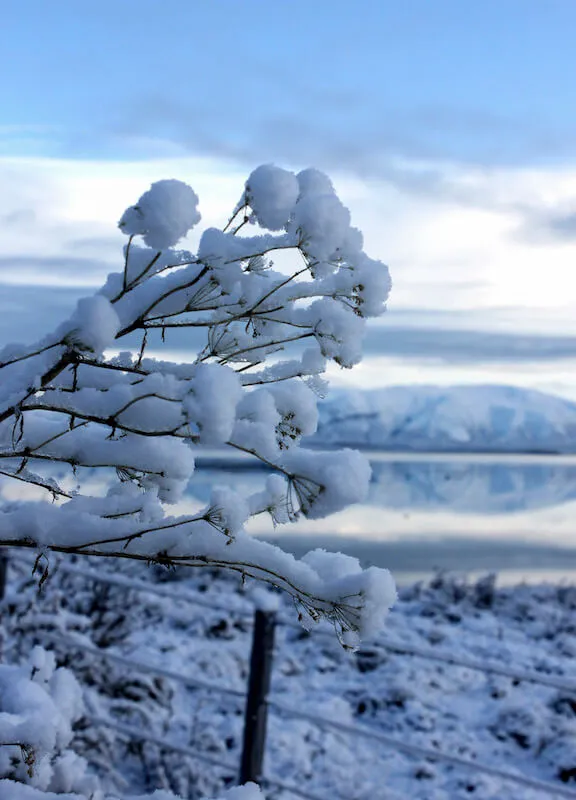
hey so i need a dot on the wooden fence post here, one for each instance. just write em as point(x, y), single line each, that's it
point(256, 714)
point(3, 578)
point(3, 572)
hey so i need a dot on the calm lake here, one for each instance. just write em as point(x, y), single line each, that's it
point(513, 514)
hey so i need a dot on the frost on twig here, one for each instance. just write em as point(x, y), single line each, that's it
point(68, 408)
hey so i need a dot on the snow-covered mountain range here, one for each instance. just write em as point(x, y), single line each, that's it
point(459, 418)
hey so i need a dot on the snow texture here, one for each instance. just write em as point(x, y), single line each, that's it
point(12, 791)
point(163, 215)
point(93, 326)
point(38, 706)
point(272, 192)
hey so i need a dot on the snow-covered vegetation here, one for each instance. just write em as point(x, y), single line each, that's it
point(457, 418)
point(87, 397)
point(498, 721)
point(39, 705)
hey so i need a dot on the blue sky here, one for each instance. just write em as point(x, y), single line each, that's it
point(487, 82)
point(449, 127)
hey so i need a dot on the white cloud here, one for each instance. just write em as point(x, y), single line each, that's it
point(454, 245)
point(463, 248)
point(456, 249)
point(51, 207)
point(379, 523)
point(556, 376)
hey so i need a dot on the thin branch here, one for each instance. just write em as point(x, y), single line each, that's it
point(265, 252)
point(126, 260)
point(241, 225)
point(191, 324)
point(246, 367)
point(36, 480)
point(278, 287)
point(147, 396)
point(129, 537)
point(64, 361)
point(233, 217)
point(84, 362)
point(263, 381)
point(146, 269)
point(27, 456)
point(142, 348)
point(276, 343)
point(245, 568)
point(110, 421)
point(31, 450)
point(38, 352)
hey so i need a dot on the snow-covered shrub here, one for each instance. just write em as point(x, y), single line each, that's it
point(38, 706)
point(72, 608)
point(12, 791)
point(70, 406)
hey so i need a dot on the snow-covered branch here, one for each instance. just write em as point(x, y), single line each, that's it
point(68, 406)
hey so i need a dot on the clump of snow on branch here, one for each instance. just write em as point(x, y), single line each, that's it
point(272, 193)
point(163, 215)
point(93, 326)
point(69, 408)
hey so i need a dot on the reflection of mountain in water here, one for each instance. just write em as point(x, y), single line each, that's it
point(473, 488)
point(481, 488)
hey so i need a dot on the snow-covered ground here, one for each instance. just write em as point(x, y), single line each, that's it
point(468, 418)
point(513, 725)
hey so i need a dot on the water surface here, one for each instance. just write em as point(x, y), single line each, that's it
point(515, 514)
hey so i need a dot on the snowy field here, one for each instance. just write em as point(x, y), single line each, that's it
point(502, 722)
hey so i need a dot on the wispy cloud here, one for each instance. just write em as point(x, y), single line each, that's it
point(460, 346)
point(68, 271)
point(336, 128)
point(545, 224)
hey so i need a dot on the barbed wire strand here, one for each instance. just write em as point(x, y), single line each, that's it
point(455, 661)
point(136, 733)
point(423, 752)
point(122, 661)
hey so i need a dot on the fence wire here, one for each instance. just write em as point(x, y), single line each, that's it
point(423, 752)
point(138, 735)
point(402, 648)
point(431, 654)
point(132, 663)
point(143, 586)
point(164, 744)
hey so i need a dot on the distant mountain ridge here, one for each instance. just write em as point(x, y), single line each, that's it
point(451, 419)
